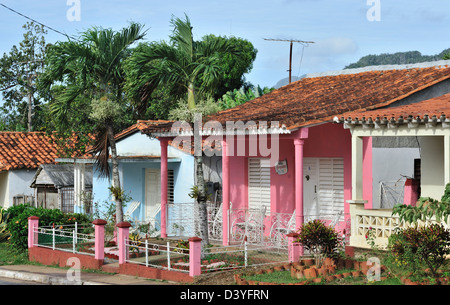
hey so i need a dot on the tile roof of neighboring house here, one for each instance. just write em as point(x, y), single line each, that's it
point(142, 125)
point(19, 150)
point(320, 97)
point(187, 147)
point(436, 109)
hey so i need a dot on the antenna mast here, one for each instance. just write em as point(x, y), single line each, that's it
point(291, 41)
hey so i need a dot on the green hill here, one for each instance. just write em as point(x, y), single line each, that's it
point(399, 58)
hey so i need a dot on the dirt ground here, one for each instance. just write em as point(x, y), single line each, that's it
point(223, 277)
point(216, 278)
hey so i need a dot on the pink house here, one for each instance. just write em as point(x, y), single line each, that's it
point(294, 163)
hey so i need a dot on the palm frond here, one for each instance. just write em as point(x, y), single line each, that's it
point(182, 37)
point(100, 150)
point(158, 64)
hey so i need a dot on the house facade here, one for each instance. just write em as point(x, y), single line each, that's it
point(140, 176)
point(291, 162)
point(426, 121)
point(21, 153)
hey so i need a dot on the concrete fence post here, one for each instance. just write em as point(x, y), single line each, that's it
point(99, 238)
point(33, 225)
point(294, 248)
point(124, 232)
point(195, 256)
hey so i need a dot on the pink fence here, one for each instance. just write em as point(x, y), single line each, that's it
point(51, 255)
point(42, 254)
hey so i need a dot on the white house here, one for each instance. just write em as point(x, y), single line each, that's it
point(21, 153)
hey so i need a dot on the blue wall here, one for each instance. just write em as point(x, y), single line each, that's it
point(132, 172)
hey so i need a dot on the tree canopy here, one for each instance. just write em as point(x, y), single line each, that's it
point(202, 69)
point(22, 108)
point(89, 75)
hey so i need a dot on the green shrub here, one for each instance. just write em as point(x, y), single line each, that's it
point(17, 224)
point(319, 238)
point(414, 248)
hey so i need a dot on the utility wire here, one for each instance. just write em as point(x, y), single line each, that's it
point(49, 27)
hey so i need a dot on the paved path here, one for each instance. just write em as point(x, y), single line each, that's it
point(58, 276)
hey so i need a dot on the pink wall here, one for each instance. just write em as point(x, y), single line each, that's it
point(324, 141)
point(332, 141)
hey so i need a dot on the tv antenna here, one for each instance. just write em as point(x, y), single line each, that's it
point(291, 41)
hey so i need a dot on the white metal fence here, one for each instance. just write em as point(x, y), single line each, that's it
point(158, 255)
point(243, 256)
point(67, 238)
point(255, 225)
point(217, 258)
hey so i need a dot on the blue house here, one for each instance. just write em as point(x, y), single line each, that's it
point(140, 176)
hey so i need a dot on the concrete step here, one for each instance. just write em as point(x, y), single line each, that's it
point(111, 268)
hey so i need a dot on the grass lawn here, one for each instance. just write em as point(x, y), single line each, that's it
point(11, 256)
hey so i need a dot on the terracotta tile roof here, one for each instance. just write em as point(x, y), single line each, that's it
point(438, 108)
point(26, 150)
point(319, 99)
point(156, 126)
point(142, 125)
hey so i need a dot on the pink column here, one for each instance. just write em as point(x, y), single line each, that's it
point(195, 256)
point(99, 238)
point(33, 224)
point(367, 172)
point(124, 232)
point(293, 247)
point(164, 188)
point(225, 192)
point(411, 192)
point(299, 217)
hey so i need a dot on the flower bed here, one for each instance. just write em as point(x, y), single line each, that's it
point(330, 272)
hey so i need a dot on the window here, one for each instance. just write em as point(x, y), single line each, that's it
point(331, 185)
point(259, 184)
point(170, 186)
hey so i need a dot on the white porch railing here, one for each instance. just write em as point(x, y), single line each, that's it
point(380, 222)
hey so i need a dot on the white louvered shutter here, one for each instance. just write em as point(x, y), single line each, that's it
point(331, 185)
point(170, 186)
point(259, 184)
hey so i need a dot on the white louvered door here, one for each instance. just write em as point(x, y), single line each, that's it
point(310, 200)
point(259, 183)
point(323, 182)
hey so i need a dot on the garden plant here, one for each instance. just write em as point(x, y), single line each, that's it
point(318, 238)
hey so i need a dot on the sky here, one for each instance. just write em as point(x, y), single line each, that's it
point(342, 30)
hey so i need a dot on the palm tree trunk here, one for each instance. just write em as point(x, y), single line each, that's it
point(201, 200)
point(198, 162)
point(117, 195)
point(191, 96)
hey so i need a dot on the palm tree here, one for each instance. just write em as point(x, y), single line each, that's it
point(91, 71)
point(187, 69)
